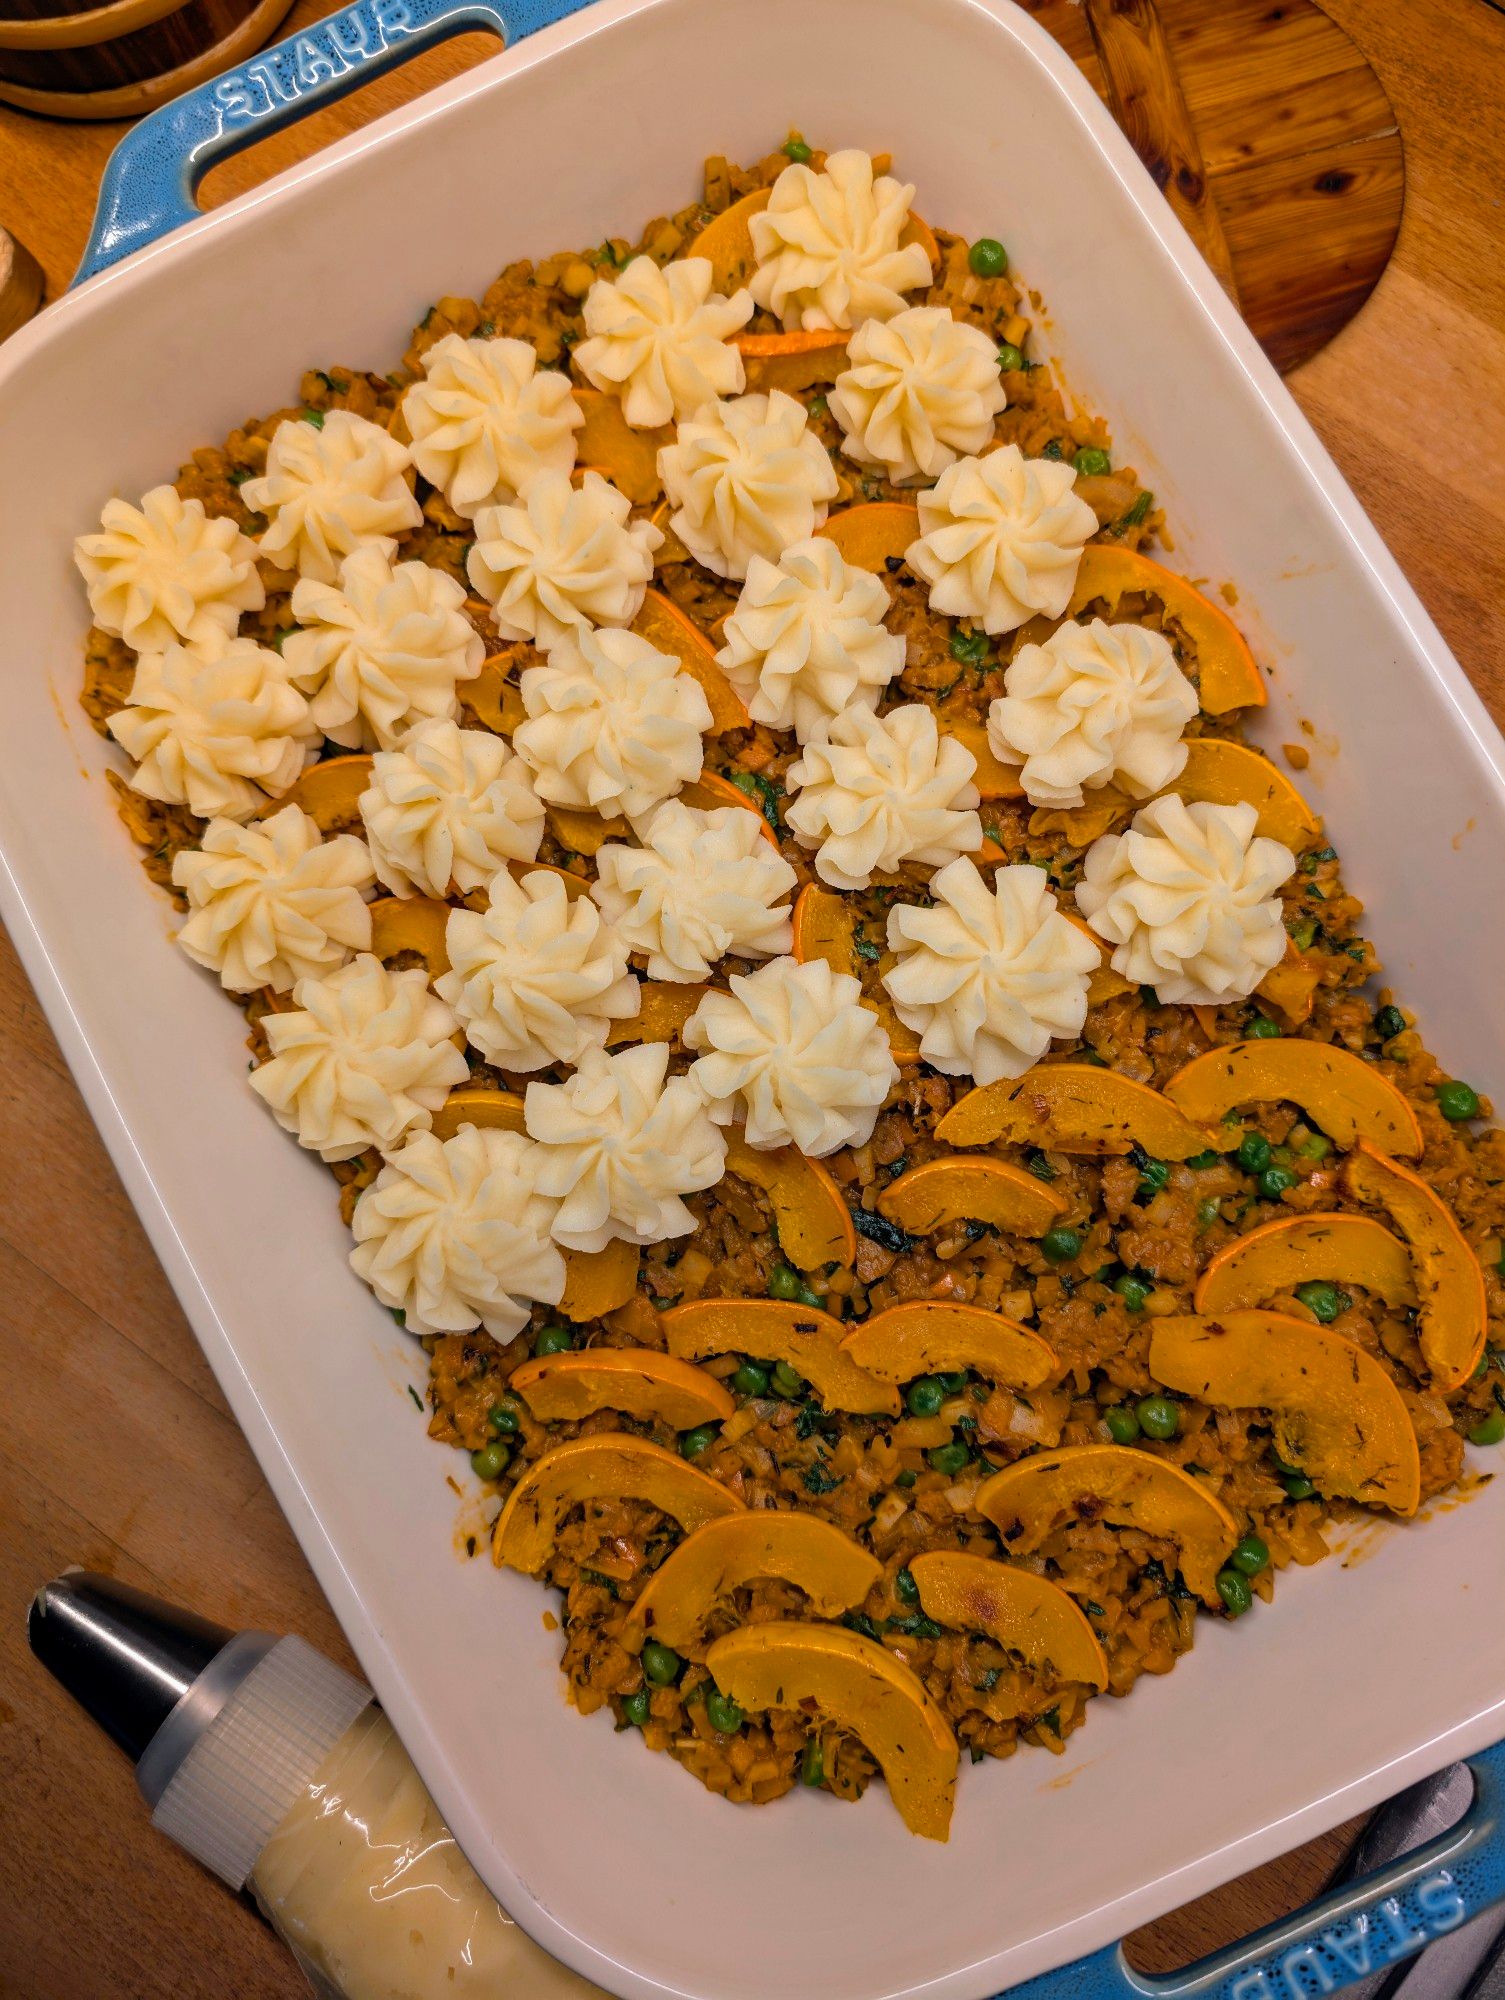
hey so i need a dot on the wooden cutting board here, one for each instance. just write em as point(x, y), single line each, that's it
point(1269, 134)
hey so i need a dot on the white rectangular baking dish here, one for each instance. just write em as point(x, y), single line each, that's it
point(1361, 1677)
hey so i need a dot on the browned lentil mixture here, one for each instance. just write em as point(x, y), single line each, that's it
point(1144, 1229)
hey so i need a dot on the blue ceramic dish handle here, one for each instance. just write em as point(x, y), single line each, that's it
point(153, 175)
point(1354, 1930)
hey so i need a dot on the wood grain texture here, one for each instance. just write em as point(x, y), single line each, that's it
point(20, 284)
point(127, 1459)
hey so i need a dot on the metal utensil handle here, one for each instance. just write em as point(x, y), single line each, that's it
point(152, 177)
point(1356, 1929)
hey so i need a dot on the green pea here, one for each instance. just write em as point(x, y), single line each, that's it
point(1123, 1425)
point(926, 1396)
point(1200, 1162)
point(1090, 461)
point(694, 1442)
point(949, 1459)
point(1250, 1557)
point(1133, 1291)
point(1235, 1592)
point(491, 1461)
point(1315, 1146)
point(723, 1714)
point(1490, 1431)
point(635, 1708)
point(1298, 1487)
point(1388, 1023)
point(988, 258)
point(1153, 1176)
point(797, 150)
point(1158, 1417)
point(1274, 1181)
point(503, 1417)
point(784, 1282)
point(969, 648)
point(553, 1340)
point(784, 1381)
point(1010, 358)
point(1208, 1211)
point(661, 1664)
point(906, 1478)
point(1458, 1102)
point(751, 1379)
point(1262, 1029)
point(1061, 1245)
point(813, 1764)
point(1253, 1153)
point(905, 1588)
point(953, 1380)
point(1323, 1299)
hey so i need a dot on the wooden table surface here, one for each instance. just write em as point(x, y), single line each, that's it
point(117, 1451)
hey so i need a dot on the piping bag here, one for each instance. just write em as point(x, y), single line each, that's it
point(277, 1770)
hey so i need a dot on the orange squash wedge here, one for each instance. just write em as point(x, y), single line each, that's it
point(1073, 1108)
point(825, 926)
point(609, 1465)
point(792, 362)
point(860, 1686)
point(874, 534)
point(411, 923)
point(786, 1544)
point(634, 1380)
point(710, 791)
point(1221, 773)
point(474, 1104)
point(1226, 673)
point(726, 241)
point(1295, 1249)
point(597, 1282)
point(574, 885)
point(493, 697)
point(663, 1009)
point(666, 627)
point(1345, 1097)
point(1024, 1613)
point(936, 1336)
point(993, 778)
point(582, 831)
point(1117, 1484)
point(813, 1221)
point(942, 1192)
point(1451, 1322)
point(1289, 989)
point(628, 458)
point(771, 1330)
point(329, 792)
point(1333, 1409)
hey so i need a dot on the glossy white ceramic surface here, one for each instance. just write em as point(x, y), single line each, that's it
point(1361, 1677)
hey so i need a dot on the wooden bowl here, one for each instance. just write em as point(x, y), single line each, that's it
point(72, 59)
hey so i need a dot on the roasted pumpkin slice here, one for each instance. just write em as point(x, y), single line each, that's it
point(710, 791)
point(582, 831)
point(859, 1685)
point(597, 1282)
point(942, 1192)
point(825, 926)
point(790, 1546)
point(935, 1336)
point(1117, 1484)
point(628, 458)
point(1073, 1108)
point(574, 885)
point(875, 534)
point(813, 1221)
point(1344, 1096)
point(771, 1330)
point(792, 362)
point(329, 792)
point(1449, 1282)
point(1024, 1613)
point(1226, 673)
point(411, 923)
point(474, 1104)
point(666, 627)
point(493, 697)
point(726, 241)
point(609, 1465)
point(1221, 773)
point(993, 778)
point(1289, 988)
point(634, 1380)
point(1344, 1249)
point(663, 1010)
point(1333, 1409)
